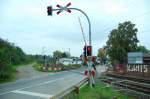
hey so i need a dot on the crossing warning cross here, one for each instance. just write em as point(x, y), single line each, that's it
point(63, 8)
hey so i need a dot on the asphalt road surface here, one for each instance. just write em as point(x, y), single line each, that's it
point(44, 86)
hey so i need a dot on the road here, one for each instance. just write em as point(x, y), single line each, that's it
point(28, 72)
point(44, 86)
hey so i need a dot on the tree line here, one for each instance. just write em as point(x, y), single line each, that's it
point(11, 55)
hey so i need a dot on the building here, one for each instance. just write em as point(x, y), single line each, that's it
point(67, 61)
point(146, 58)
point(135, 58)
point(138, 58)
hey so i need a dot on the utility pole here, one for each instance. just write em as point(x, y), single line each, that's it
point(69, 53)
point(44, 55)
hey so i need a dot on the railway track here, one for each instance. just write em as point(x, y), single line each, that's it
point(132, 78)
point(127, 84)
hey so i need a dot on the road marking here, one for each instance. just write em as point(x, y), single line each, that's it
point(50, 81)
point(33, 94)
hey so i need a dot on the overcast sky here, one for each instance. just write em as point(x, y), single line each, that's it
point(25, 23)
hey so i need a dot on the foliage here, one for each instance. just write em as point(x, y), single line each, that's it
point(71, 66)
point(60, 54)
point(142, 49)
point(100, 91)
point(10, 55)
point(5, 68)
point(122, 40)
point(102, 55)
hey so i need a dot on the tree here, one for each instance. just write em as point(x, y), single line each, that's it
point(142, 49)
point(60, 54)
point(57, 54)
point(121, 41)
point(66, 54)
point(101, 54)
point(5, 68)
point(9, 55)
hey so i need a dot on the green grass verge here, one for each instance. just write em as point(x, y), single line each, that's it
point(72, 66)
point(100, 91)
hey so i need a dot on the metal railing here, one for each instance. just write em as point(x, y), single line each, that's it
point(74, 88)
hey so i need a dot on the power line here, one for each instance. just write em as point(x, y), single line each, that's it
point(141, 15)
point(135, 17)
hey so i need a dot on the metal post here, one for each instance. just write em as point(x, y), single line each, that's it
point(43, 52)
point(126, 90)
point(90, 41)
point(91, 79)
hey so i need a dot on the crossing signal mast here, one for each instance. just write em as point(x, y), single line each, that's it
point(88, 48)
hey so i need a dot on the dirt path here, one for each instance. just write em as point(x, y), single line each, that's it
point(27, 71)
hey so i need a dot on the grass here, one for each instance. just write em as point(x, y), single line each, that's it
point(100, 91)
point(72, 66)
point(37, 66)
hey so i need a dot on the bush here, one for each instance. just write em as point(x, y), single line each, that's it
point(5, 68)
point(6, 72)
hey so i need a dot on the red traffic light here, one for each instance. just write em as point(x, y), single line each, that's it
point(89, 50)
point(49, 10)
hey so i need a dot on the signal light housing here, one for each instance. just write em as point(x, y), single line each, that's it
point(85, 51)
point(89, 50)
point(49, 10)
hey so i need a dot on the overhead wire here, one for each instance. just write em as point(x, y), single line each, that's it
point(133, 18)
point(108, 16)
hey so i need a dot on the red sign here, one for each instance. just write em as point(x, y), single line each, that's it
point(63, 8)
